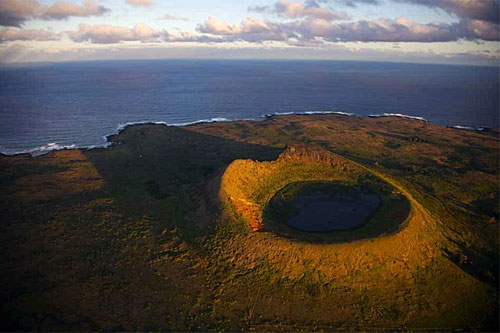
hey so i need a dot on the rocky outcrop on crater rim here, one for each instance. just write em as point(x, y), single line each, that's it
point(248, 185)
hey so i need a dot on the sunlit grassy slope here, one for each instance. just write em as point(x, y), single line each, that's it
point(141, 236)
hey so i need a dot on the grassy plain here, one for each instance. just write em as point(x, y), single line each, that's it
point(138, 237)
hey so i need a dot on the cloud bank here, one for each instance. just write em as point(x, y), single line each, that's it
point(383, 30)
point(302, 24)
point(14, 34)
point(111, 34)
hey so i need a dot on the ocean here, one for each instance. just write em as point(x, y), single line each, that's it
point(50, 106)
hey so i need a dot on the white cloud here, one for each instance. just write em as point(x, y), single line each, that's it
point(215, 26)
point(188, 37)
point(250, 29)
point(109, 34)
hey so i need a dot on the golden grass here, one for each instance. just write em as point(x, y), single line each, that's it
point(249, 185)
point(73, 173)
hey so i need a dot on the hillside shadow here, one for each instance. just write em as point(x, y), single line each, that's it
point(163, 171)
point(83, 225)
point(483, 265)
point(480, 263)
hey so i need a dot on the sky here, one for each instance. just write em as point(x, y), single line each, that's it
point(427, 31)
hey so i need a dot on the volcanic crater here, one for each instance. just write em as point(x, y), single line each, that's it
point(312, 194)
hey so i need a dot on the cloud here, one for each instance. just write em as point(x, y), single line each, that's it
point(139, 2)
point(109, 34)
point(176, 18)
point(14, 34)
point(188, 37)
point(62, 10)
point(15, 53)
point(314, 31)
point(354, 3)
point(250, 29)
point(15, 12)
point(486, 10)
point(348, 3)
point(215, 26)
point(479, 29)
point(399, 30)
point(383, 30)
point(295, 9)
point(259, 9)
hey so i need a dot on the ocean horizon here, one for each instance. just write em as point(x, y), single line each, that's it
point(63, 105)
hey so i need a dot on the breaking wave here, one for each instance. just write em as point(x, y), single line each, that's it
point(468, 128)
point(400, 115)
point(270, 115)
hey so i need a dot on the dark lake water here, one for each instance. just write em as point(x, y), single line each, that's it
point(55, 105)
point(329, 212)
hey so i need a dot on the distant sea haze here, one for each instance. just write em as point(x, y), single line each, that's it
point(45, 107)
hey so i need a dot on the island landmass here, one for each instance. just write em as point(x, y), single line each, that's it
point(183, 228)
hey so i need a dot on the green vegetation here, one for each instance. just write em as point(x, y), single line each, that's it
point(142, 236)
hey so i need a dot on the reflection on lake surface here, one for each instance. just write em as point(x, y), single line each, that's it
point(327, 212)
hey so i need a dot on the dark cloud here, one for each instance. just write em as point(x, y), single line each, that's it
point(486, 10)
point(480, 30)
point(15, 12)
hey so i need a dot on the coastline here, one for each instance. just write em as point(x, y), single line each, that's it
point(54, 146)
